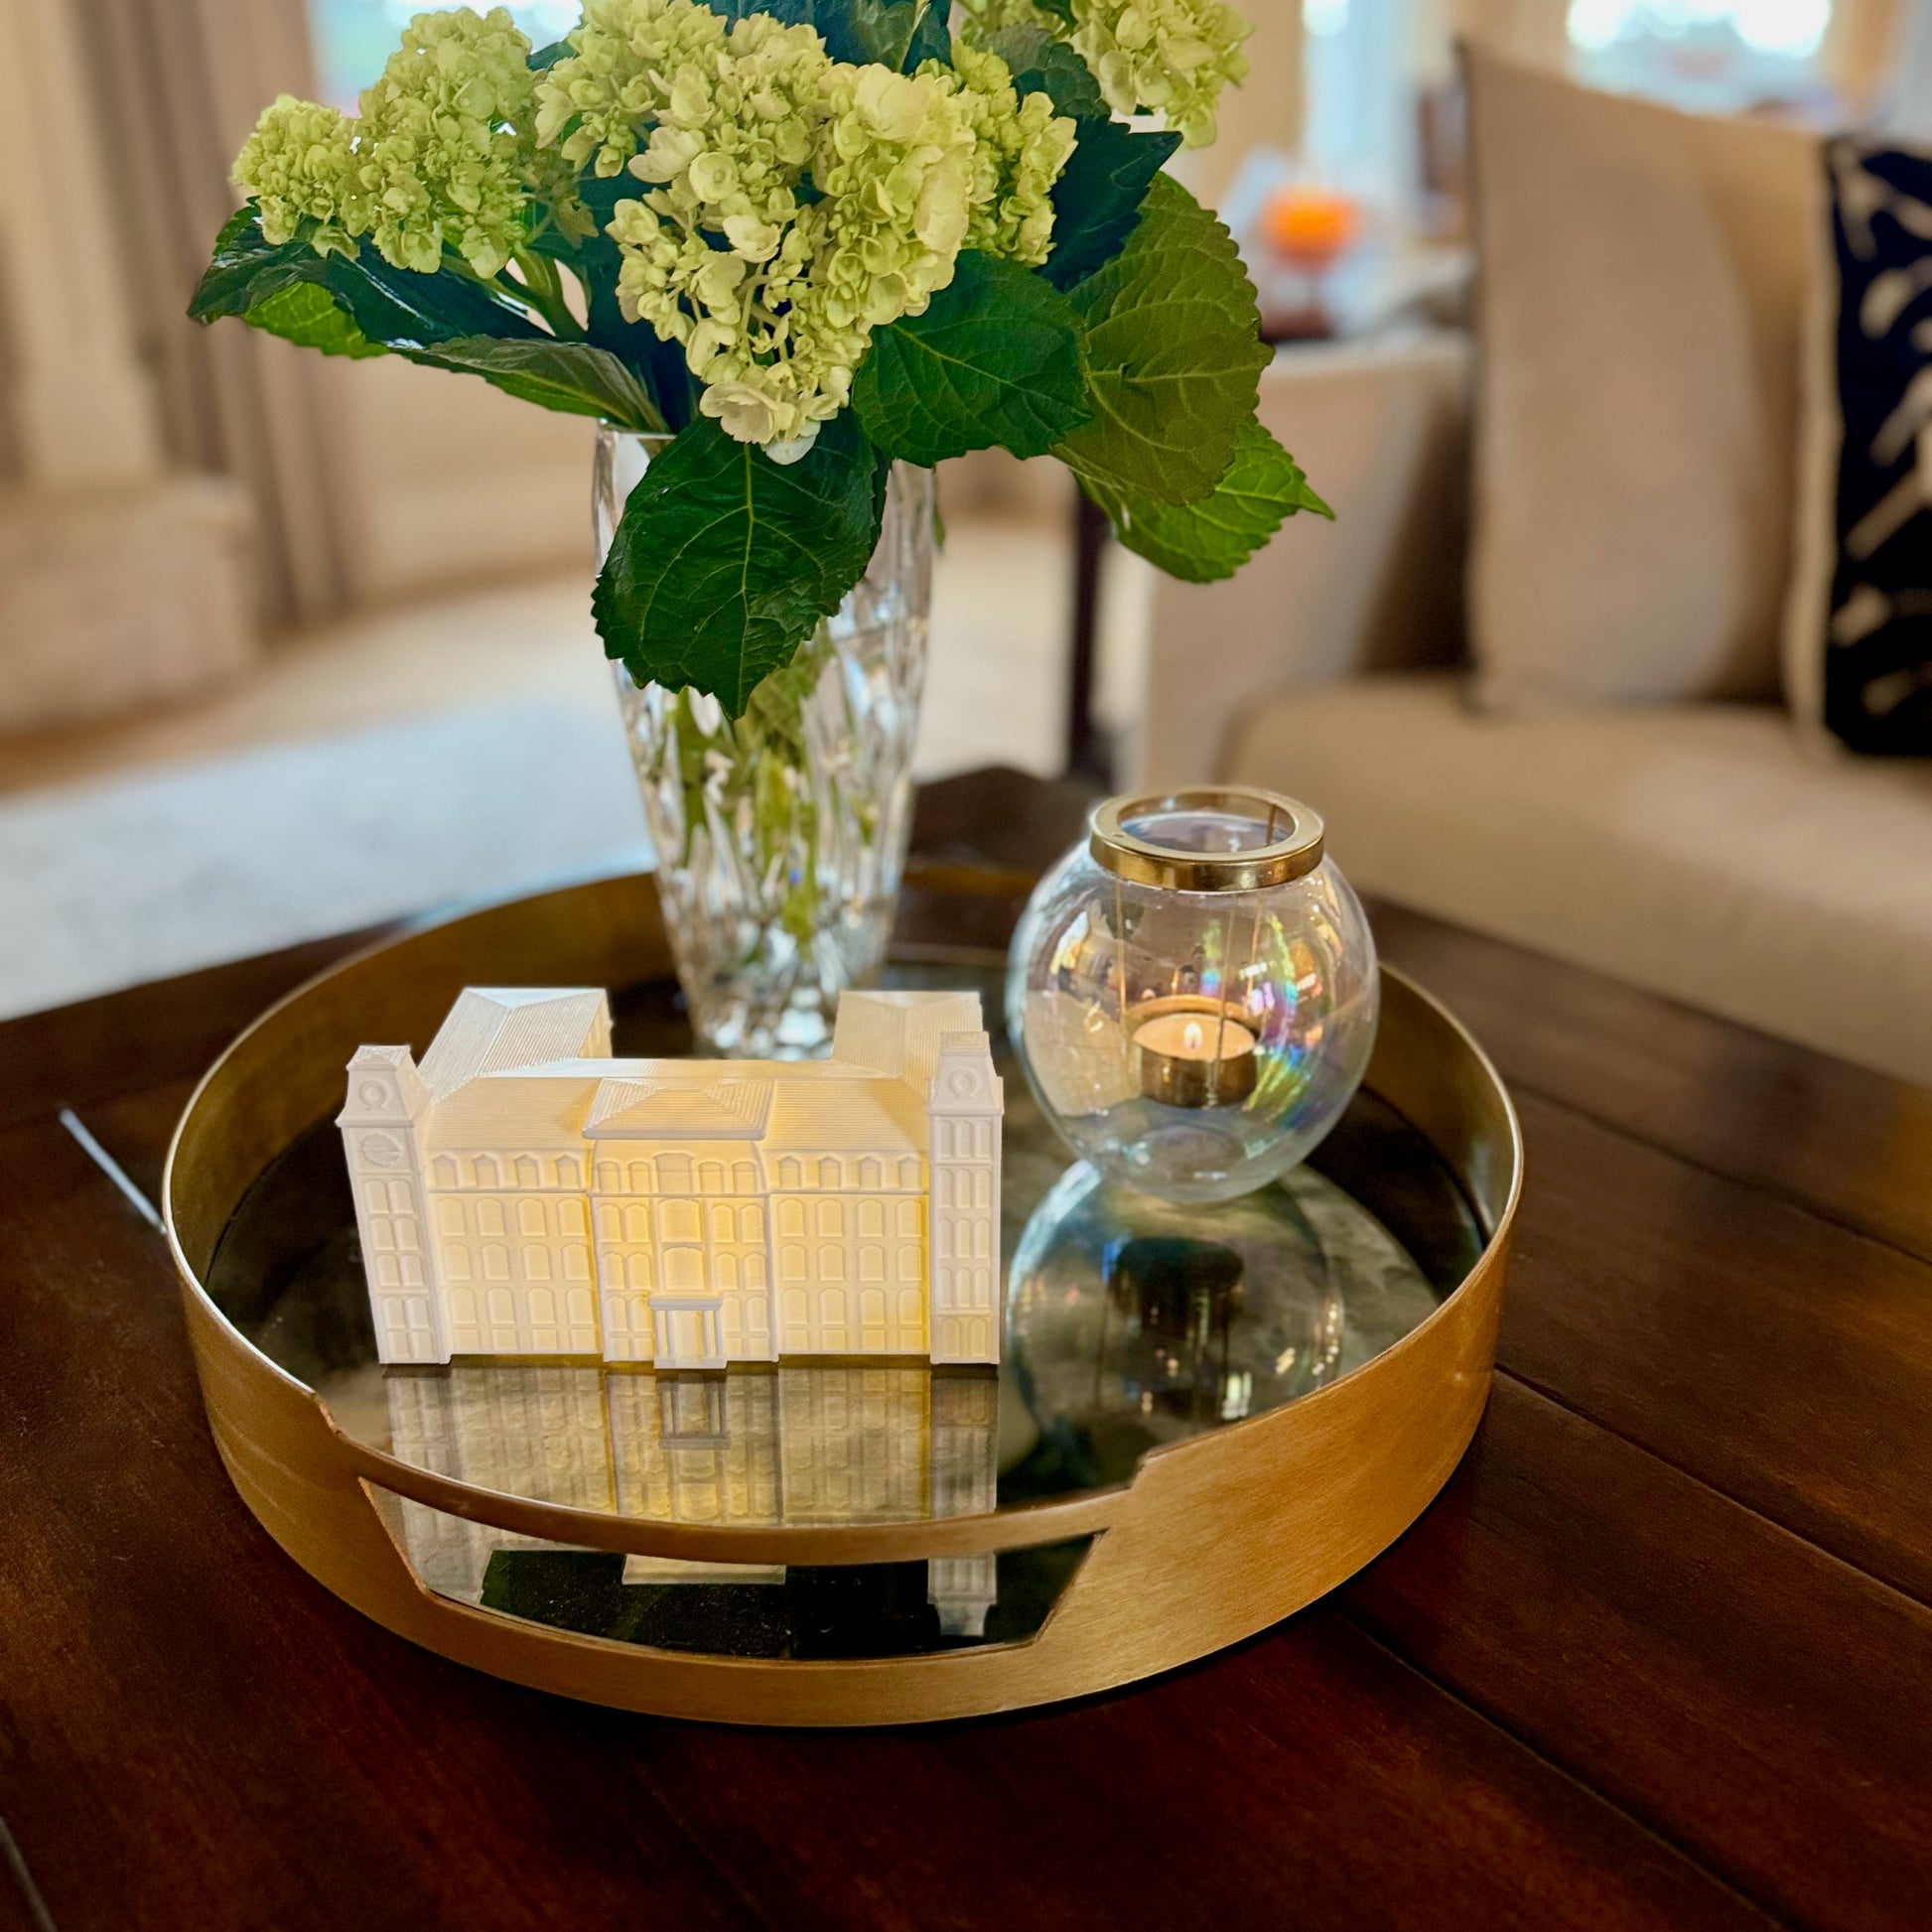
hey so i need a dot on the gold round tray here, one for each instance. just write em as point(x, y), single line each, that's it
point(1210, 1539)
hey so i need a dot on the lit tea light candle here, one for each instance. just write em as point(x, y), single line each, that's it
point(1191, 1052)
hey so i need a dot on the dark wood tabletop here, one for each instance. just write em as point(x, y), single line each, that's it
point(1660, 1654)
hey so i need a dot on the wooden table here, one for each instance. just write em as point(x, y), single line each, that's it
point(1660, 1655)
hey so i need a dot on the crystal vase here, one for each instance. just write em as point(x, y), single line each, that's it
point(782, 835)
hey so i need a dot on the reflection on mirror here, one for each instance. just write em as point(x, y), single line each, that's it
point(822, 1442)
point(879, 1609)
point(1135, 1323)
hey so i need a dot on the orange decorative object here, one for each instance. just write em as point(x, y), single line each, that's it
point(1310, 228)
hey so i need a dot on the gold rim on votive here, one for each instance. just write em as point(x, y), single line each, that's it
point(1176, 869)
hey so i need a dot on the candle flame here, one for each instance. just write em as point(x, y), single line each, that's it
point(1193, 1036)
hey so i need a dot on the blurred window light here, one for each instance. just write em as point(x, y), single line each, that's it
point(1719, 55)
point(1358, 132)
point(1794, 27)
point(353, 37)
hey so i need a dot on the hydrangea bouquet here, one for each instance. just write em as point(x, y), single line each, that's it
point(802, 239)
point(791, 254)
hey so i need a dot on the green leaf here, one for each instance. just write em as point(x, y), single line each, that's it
point(600, 195)
point(724, 561)
point(245, 269)
point(306, 314)
point(931, 37)
point(577, 378)
point(793, 13)
point(596, 262)
point(1042, 64)
point(544, 57)
point(995, 358)
point(392, 305)
point(1214, 537)
point(1098, 199)
point(898, 34)
point(1172, 346)
point(446, 320)
point(402, 310)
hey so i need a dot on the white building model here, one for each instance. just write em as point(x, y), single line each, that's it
point(522, 1193)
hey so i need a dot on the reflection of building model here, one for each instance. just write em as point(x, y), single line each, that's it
point(817, 1443)
point(524, 1194)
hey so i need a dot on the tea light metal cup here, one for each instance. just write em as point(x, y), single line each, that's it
point(1191, 1052)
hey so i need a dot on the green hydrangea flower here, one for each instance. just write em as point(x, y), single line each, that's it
point(841, 195)
point(1023, 147)
point(1172, 58)
point(299, 165)
point(624, 60)
point(442, 147)
point(445, 154)
point(732, 118)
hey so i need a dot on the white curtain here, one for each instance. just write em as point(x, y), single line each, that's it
point(180, 83)
point(78, 406)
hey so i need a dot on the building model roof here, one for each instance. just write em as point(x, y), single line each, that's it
point(541, 1056)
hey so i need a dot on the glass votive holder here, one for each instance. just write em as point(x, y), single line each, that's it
point(1193, 991)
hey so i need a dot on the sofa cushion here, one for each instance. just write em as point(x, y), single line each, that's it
point(122, 597)
point(1640, 298)
point(1381, 427)
point(1858, 631)
point(1693, 849)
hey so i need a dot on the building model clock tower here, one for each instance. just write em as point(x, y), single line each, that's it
point(963, 1117)
point(386, 1101)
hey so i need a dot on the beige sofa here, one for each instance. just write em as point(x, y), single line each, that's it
point(1703, 851)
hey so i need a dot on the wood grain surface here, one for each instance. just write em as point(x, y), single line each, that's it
point(1851, 1146)
point(1661, 1655)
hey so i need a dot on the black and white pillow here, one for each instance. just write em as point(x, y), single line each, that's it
point(1859, 640)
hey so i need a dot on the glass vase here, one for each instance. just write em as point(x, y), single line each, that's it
point(782, 835)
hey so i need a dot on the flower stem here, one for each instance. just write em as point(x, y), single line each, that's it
point(542, 288)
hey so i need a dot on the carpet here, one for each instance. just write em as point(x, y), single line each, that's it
point(111, 883)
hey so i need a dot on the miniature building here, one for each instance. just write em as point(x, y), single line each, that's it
point(523, 1193)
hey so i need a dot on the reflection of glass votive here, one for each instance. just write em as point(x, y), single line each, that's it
point(1131, 1322)
point(1194, 992)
